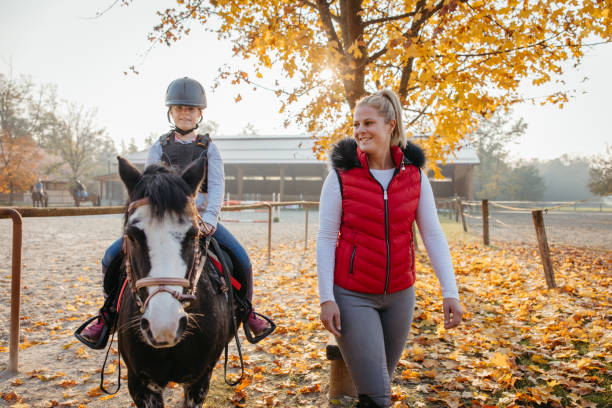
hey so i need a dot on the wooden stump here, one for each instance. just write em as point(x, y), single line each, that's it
point(340, 382)
point(549, 273)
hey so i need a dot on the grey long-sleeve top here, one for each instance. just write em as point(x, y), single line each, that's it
point(209, 204)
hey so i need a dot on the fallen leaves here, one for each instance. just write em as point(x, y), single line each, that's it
point(521, 344)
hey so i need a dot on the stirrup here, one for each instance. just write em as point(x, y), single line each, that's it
point(104, 335)
point(249, 334)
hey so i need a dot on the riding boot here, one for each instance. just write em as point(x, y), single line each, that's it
point(94, 333)
point(366, 402)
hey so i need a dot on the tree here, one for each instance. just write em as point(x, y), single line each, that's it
point(491, 140)
point(130, 148)
point(249, 130)
point(523, 183)
point(77, 140)
point(600, 173)
point(452, 62)
point(25, 113)
point(566, 178)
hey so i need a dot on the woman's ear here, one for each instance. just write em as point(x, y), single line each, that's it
point(392, 124)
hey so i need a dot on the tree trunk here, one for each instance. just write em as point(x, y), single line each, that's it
point(11, 194)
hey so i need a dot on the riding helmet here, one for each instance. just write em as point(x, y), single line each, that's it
point(185, 91)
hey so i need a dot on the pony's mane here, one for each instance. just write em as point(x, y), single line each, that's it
point(166, 190)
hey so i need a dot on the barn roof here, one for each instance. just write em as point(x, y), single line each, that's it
point(281, 149)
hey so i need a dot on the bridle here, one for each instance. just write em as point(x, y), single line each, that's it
point(189, 283)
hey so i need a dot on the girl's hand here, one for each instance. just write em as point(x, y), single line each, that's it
point(453, 312)
point(330, 317)
point(208, 229)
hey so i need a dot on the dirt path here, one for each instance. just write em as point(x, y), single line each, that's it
point(579, 229)
point(61, 287)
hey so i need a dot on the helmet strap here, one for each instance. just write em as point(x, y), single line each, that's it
point(184, 132)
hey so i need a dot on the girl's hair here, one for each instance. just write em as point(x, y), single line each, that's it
point(387, 103)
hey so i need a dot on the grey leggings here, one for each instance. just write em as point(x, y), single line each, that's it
point(374, 333)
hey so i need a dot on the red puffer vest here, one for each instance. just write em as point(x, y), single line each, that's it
point(375, 252)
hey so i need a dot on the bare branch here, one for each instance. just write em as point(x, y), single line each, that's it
point(328, 25)
point(315, 8)
point(390, 18)
point(419, 116)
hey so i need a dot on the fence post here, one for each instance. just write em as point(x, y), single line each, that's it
point(269, 231)
point(414, 236)
point(460, 207)
point(449, 205)
point(549, 273)
point(13, 365)
point(306, 229)
point(456, 202)
point(485, 221)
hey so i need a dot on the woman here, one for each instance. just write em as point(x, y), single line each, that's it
point(365, 247)
point(186, 100)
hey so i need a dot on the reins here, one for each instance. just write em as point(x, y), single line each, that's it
point(228, 283)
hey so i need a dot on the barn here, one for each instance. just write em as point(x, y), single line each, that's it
point(262, 167)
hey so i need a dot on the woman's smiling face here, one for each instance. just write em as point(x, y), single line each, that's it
point(372, 133)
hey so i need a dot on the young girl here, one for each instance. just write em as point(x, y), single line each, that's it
point(185, 99)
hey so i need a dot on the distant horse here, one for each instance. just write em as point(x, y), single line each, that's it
point(40, 198)
point(78, 198)
point(174, 318)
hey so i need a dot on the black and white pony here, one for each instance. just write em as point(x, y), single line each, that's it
point(174, 319)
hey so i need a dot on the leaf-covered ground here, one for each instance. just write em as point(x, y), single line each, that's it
point(521, 344)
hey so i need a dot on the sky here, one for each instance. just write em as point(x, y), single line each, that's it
point(61, 42)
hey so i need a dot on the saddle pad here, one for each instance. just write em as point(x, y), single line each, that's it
point(237, 285)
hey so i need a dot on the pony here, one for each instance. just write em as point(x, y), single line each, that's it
point(40, 198)
point(93, 197)
point(175, 319)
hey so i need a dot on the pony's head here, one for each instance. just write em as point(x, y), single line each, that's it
point(161, 241)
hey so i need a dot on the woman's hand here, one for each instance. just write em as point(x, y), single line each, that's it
point(208, 229)
point(330, 317)
point(453, 312)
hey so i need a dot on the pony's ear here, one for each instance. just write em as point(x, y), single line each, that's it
point(128, 173)
point(194, 174)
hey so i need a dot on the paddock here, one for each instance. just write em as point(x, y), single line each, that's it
point(61, 287)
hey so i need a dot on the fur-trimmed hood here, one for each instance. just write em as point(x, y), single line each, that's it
point(344, 155)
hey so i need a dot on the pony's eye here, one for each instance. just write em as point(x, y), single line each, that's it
point(133, 233)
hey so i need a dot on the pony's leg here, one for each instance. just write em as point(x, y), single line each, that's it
point(195, 393)
point(142, 395)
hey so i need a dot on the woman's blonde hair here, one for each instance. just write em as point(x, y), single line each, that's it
point(387, 103)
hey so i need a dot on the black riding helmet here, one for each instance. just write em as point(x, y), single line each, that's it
point(188, 92)
point(185, 91)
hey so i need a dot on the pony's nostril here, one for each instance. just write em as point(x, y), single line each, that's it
point(182, 324)
point(144, 324)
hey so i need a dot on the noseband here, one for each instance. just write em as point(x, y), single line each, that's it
point(189, 283)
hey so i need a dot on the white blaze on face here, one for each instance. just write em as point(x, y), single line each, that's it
point(164, 241)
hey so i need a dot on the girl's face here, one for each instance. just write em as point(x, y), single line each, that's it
point(185, 117)
point(373, 135)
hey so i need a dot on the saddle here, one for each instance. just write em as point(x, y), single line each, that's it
point(218, 261)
